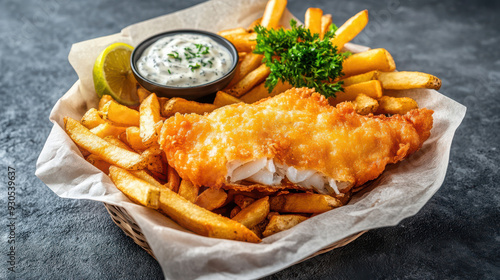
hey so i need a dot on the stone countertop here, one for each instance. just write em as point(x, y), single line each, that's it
point(455, 235)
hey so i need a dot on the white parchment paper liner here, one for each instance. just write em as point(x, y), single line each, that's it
point(398, 193)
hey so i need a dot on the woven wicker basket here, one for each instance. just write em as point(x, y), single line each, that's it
point(124, 221)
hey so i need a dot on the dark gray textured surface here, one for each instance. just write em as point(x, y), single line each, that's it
point(456, 235)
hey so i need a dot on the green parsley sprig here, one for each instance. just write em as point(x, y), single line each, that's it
point(300, 58)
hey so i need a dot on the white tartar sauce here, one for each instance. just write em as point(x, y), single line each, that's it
point(184, 60)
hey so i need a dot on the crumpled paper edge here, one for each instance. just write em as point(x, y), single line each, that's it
point(275, 252)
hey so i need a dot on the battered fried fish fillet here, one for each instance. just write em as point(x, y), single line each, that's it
point(293, 140)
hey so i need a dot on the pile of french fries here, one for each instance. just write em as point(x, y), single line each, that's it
point(123, 142)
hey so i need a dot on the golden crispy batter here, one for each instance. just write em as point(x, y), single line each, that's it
point(297, 128)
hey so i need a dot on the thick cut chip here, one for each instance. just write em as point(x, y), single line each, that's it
point(372, 89)
point(92, 118)
point(101, 148)
point(279, 223)
point(313, 20)
point(376, 59)
point(249, 81)
point(254, 213)
point(273, 12)
point(326, 22)
point(211, 199)
point(223, 99)
point(183, 106)
point(107, 129)
point(120, 114)
point(188, 191)
point(202, 221)
point(149, 112)
point(350, 29)
point(365, 77)
point(409, 80)
point(365, 105)
point(259, 92)
point(304, 203)
point(133, 135)
point(137, 190)
point(396, 105)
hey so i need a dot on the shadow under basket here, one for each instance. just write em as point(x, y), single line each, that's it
point(124, 221)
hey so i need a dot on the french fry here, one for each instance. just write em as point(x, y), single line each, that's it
point(326, 22)
point(188, 190)
point(107, 129)
point(143, 175)
point(99, 163)
point(365, 77)
point(234, 211)
point(249, 81)
point(120, 114)
point(259, 228)
point(279, 223)
point(396, 105)
point(135, 189)
point(92, 118)
point(350, 29)
point(260, 91)
point(254, 24)
point(249, 63)
point(211, 199)
point(162, 101)
point(365, 105)
point(232, 31)
point(173, 179)
point(183, 106)
point(303, 203)
point(273, 12)
point(243, 42)
point(156, 165)
point(142, 93)
point(202, 221)
point(408, 80)
point(133, 136)
point(376, 59)
point(313, 20)
point(243, 201)
point(223, 99)
point(117, 142)
point(149, 112)
point(254, 213)
point(372, 89)
point(104, 100)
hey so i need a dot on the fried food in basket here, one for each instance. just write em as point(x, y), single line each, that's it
point(260, 161)
point(295, 138)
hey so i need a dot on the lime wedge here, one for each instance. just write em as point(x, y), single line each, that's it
point(113, 76)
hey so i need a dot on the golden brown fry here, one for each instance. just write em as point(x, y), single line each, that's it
point(104, 99)
point(350, 29)
point(211, 199)
point(107, 129)
point(249, 81)
point(243, 201)
point(279, 223)
point(156, 165)
point(120, 114)
point(365, 105)
point(249, 63)
point(273, 12)
point(243, 42)
point(134, 140)
point(254, 213)
point(259, 228)
point(313, 20)
point(143, 175)
point(408, 80)
point(326, 22)
point(92, 118)
point(234, 211)
point(396, 105)
point(99, 163)
point(202, 221)
point(135, 189)
point(149, 112)
point(376, 59)
point(372, 89)
point(173, 179)
point(365, 77)
point(117, 142)
point(304, 203)
point(188, 191)
point(223, 99)
point(142, 93)
point(260, 91)
point(183, 106)
point(162, 101)
point(232, 31)
point(255, 23)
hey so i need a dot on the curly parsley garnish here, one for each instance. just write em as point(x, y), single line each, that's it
point(300, 58)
